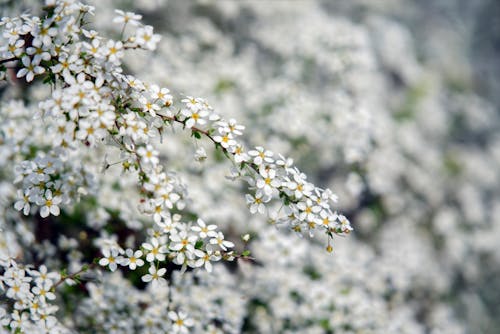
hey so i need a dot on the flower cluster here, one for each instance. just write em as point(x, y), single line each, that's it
point(93, 101)
point(304, 206)
point(32, 293)
point(114, 305)
point(50, 182)
point(95, 107)
point(184, 245)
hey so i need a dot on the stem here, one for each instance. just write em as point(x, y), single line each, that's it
point(7, 60)
point(123, 30)
point(84, 269)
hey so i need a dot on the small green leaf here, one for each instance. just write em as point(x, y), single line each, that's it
point(50, 78)
point(196, 134)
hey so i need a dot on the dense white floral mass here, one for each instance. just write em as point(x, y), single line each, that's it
point(92, 104)
point(116, 210)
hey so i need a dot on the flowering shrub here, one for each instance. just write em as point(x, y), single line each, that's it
point(379, 102)
point(93, 117)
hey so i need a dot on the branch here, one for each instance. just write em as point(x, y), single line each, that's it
point(3, 61)
point(84, 269)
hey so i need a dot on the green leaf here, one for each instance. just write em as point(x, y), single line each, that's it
point(50, 78)
point(312, 273)
point(324, 323)
point(196, 134)
point(224, 85)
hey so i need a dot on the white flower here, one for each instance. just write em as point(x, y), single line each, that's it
point(260, 155)
point(155, 250)
point(195, 116)
point(204, 259)
point(285, 163)
point(44, 33)
point(94, 48)
point(24, 202)
point(149, 106)
point(167, 196)
point(127, 17)
point(38, 53)
point(183, 241)
point(114, 50)
point(18, 284)
point(231, 127)
point(239, 154)
point(89, 131)
point(13, 50)
point(67, 63)
point(134, 83)
point(133, 127)
point(42, 290)
point(308, 210)
point(226, 140)
point(327, 218)
point(219, 240)
point(345, 225)
point(19, 320)
point(257, 203)
point(30, 69)
point(104, 114)
point(155, 276)
point(64, 132)
point(132, 259)
point(299, 186)
point(193, 103)
point(161, 94)
point(327, 195)
point(180, 322)
point(148, 155)
point(14, 33)
point(267, 180)
point(111, 258)
point(49, 204)
point(157, 208)
point(204, 230)
point(146, 38)
point(43, 275)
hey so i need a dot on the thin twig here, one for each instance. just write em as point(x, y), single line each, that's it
point(7, 60)
point(84, 269)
